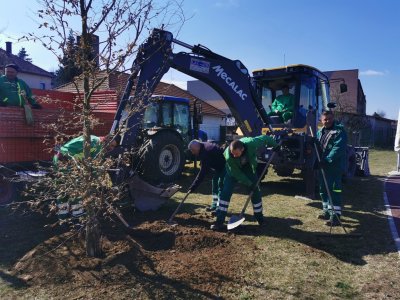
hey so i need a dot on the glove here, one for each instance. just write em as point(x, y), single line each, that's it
point(36, 106)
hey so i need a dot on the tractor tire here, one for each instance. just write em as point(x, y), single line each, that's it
point(163, 158)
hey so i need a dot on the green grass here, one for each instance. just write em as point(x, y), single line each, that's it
point(288, 259)
point(292, 261)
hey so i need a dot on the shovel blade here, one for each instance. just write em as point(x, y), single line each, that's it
point(235, 221)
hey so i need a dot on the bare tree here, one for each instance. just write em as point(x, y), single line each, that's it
point(344, 113)
point(114, 28)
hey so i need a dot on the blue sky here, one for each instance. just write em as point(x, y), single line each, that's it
point(329, 35)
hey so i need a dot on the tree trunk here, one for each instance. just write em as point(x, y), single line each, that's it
point(93, 234)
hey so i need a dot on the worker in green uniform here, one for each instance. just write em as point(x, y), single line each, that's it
point(74, 150)
point(283, 105)
point(332, 139)
point(15, 91)
point(241, 166)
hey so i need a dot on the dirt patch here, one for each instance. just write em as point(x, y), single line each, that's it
point(153, 260)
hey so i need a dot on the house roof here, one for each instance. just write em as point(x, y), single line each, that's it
point(24, 66)
point(118, 80)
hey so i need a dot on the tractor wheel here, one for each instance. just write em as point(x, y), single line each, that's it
point(164, 158)
point(8, 191)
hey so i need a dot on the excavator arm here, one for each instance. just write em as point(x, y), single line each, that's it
point(230, 78)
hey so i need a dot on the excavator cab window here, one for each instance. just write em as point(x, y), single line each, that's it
point(273, 90)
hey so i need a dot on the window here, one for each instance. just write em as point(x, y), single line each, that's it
point(181, 118)
point(150, 118)
point(323, 97)
point(42, 86)
point(166, 114)
point(308, 93)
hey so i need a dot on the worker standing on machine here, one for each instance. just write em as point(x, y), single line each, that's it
point(333, 140)
point(283, 105)
point(241, 166)
point(211, 158)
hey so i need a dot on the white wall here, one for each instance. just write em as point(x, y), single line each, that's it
point(211, 125)
point(34, 81)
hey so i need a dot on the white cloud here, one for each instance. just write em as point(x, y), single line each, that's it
point(372, 73)
point(227, 3)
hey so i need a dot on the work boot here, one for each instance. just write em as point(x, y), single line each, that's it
point(324, 216)
point(211, 208)
point(217, 226)
point(260, 219)
point(333, 221)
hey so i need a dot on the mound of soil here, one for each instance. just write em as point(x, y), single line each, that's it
point(153, 260)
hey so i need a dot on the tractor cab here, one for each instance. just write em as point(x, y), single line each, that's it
point(167, 112)
point(289, 94)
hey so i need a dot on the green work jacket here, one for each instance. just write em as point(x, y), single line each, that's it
point(335, 147)
point(283, 103)
point(74, 148)
point(233, 165)
point(10, 92)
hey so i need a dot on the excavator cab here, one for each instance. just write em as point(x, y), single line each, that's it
point(305, 87)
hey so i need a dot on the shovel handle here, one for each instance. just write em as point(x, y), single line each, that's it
point(178, 208)
point(258, 181)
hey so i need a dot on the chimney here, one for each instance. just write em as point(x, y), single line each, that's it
point(9, 47)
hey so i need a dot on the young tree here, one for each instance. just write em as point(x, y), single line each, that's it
point(24, 55)
point(120, 26)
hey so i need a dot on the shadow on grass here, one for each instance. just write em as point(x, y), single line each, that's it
point(363, 215)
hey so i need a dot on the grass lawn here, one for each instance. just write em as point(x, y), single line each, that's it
point(292, 260)
point(289, 258)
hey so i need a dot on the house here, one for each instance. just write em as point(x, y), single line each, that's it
point(34, 76)
point(352, 101)
point(213, 118)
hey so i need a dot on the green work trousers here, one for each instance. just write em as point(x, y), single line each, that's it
point(334, 180)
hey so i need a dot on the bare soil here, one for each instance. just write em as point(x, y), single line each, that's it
point(152, 261)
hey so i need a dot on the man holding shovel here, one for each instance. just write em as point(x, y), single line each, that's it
point(332, 140)
point(211, 158)
point(241, 166)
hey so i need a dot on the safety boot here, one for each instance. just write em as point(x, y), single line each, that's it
point(324, 216)
point(217, 226)
point(260, 219)
point(333, 221)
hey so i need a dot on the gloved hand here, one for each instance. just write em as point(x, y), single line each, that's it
point(36, 106)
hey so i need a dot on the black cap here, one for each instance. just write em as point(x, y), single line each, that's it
point(14, 66)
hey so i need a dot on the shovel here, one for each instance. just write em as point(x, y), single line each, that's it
point(235, 221)
point(171, 219)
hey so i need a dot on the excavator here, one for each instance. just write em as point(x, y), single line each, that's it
point(248, 98)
